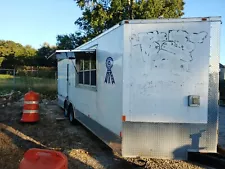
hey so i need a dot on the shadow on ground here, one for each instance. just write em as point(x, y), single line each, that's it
point(83, 149)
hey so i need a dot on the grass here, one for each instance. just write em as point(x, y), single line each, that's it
point(24, 83)
point(5, 76)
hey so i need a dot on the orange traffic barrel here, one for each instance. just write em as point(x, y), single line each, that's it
point(43, 159)
point(31, 107)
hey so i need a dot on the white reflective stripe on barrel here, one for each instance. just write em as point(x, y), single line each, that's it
point(31, 102)
point(30, 111)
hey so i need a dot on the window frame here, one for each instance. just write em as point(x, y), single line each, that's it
point(90, 59)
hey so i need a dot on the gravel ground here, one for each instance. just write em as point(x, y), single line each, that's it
point(83, 149)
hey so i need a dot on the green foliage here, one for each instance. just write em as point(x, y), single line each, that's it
point(29, 51)
point(42, 68)
point(9, 48)
point(70, 41)
point(14, 55)
point(44, 86)
point(43, 52)
point(1, 60)
point(94, 21)
point(154, 9)
point(37, 73)
point(99, 16)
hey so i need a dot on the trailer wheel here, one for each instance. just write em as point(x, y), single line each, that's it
point(71, 115)
point(65, 109)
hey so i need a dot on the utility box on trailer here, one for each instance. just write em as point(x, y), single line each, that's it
point(147, 88)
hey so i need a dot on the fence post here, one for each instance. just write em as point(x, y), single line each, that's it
point(14, 79)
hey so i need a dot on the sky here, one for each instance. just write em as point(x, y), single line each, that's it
point(37, 21)
point(34, 22)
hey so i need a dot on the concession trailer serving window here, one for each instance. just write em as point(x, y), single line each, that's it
point(86, 69)
point(85, 65)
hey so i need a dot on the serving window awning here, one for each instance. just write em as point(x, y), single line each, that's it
point(73, 54)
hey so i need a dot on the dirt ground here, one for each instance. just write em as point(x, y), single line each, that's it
point(83, 149)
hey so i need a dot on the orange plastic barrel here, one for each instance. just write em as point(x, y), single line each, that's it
point(43, 159)
point(31, 107)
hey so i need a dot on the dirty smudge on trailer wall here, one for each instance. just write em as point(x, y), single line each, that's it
point(165, 66)
point(168, 50)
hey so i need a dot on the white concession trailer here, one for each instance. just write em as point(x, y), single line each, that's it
point(147, 88)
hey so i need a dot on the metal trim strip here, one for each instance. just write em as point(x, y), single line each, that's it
point(31, 102)
point(30, 111)
point(104, 134)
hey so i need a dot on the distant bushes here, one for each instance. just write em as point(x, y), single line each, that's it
point(36, 68)
point(13, 55)
point(31, 71)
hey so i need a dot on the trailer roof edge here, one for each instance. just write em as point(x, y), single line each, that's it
point(102, 34)
point(147, 21)
point(75, 50)
point(173, 20)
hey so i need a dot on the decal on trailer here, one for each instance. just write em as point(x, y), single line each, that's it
point(109, 75)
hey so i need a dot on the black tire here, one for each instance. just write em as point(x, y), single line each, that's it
point(66, 114)
point(71, 115)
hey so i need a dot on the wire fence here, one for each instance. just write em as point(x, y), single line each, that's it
point(43, 81)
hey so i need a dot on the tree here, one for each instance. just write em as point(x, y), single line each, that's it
point(14, 54)
point(43, 52)
point(11, 48)
point(70, 41)
point(100, 16)
point(1, 60)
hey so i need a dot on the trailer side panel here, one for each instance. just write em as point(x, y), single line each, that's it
point(103, 102)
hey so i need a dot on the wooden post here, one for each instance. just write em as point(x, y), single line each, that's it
point(14, 79)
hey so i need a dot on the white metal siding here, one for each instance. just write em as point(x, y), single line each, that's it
point(105, 104)
point(174, 20)
point(62, 73)
point(215, 34)
point(168, 62)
